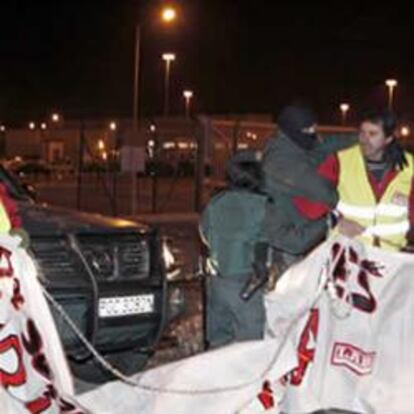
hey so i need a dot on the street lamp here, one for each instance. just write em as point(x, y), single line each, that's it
point(113, 126)
point(344, 107)
point(168, 58)
point(391, 83)
point(168, 15)
point(405, 131)
point(32, 126)
point(2, 128)
point(55, 117)
point(187, 94)
point(43, 126)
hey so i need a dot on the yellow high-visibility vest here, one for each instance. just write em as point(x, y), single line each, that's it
point(386, 219)
point(5, 224)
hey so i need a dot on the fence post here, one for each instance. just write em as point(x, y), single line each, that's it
point(203, 137)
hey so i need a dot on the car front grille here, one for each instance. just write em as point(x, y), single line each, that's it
point(55, 257)
point(118, 256)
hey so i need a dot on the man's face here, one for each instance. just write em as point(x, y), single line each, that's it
point(373, 140)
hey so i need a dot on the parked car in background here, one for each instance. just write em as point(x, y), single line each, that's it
point(110, 277)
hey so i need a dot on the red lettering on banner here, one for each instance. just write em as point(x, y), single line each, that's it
point(17, 299)
point(7, 269)
point(39, 405)
point(358, 361)
point(18, 377)
point(363, 302)
point(33, 345)
point(306, 348)
point(266, 396)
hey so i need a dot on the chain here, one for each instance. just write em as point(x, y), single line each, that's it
point(137, 383)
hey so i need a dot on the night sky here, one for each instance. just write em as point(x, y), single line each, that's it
point(239, 56)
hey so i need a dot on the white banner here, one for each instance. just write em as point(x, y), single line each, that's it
point(33, 371)
point(342, 330)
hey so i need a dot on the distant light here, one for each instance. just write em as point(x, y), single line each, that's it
point(254, 137)
point(113, 126)
point(188, 94)
point(168, 14)
point(344, 107)
point(391, 83)
point(2, 128)
point(168, 145)
point(151, 143)
point(183, 145)
point(43, 126)
point(405, 131)
point(101, 145)
point(104, 155)
point(32, 125)
point(152, 128)
point(168, 57)
point(55, 117)
point(242, 145)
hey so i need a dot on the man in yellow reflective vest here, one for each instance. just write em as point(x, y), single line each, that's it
point(374, 180)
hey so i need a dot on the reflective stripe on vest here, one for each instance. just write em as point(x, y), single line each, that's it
point(387, 218)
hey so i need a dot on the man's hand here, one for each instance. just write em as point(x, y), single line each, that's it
point(349, 228)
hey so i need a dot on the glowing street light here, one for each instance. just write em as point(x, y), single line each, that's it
point(405, 131)
point(344, 107)
point(101, 145)
point(43, 126)
point(113, 126)
point(32, 126)
point(187, 94)
point(391, 83)
point(168, 14)
point(2, 128)
point(168, 58)
point(55, 117)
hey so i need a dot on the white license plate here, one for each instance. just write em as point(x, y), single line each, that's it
point(125, 305)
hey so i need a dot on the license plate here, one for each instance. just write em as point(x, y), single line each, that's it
point(125, 305)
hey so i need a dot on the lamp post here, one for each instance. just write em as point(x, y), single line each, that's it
point(168, 15)
point(391, 84)
point(344, 107)
point(187, 94)
point(167, 58)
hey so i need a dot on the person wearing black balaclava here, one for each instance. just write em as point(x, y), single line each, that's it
point(291, 158)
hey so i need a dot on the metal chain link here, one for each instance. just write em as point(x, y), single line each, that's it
point(136, 383)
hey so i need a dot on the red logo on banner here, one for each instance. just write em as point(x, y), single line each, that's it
point(358, 361)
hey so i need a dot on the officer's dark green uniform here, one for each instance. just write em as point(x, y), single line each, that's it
point(231, 226)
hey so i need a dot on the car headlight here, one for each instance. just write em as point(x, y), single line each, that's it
point(171, 267)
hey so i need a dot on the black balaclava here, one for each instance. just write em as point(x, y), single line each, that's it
point(293, 119)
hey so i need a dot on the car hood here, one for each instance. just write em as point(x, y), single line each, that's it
point(45, 220)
